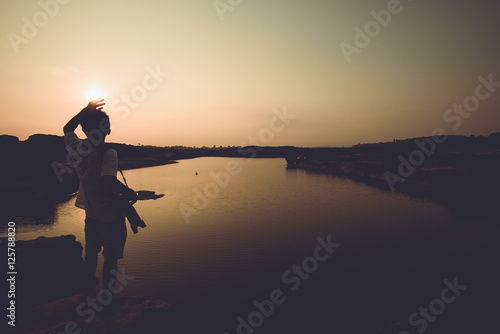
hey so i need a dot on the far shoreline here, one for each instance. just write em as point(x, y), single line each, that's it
point(463, 168)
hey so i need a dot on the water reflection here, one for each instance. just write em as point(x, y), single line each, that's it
point(32, 217)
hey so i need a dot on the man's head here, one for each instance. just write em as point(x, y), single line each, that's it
point(96, 126)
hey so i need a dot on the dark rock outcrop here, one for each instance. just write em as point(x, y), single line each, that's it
point(49, 283)
point(48, 269)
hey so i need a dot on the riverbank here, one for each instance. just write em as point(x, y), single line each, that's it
point(461, 172)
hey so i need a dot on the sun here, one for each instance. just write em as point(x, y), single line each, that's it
point(94, 93)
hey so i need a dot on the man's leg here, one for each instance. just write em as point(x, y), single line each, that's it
point(90, 263)
point(110, 266)
point(93, 240)
point(114, 244)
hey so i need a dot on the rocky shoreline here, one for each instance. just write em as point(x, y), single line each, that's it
point(49, 296)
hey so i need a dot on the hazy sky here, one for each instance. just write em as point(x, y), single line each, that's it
point(229, 68)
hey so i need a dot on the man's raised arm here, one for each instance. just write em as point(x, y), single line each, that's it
point(93, 106)
point(72, 124)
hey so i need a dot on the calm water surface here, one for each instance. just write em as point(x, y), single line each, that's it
point(395, 250)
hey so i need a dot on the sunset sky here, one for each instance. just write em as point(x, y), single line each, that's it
point(228, 69)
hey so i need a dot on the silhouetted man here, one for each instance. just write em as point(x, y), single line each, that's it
point(97, 167)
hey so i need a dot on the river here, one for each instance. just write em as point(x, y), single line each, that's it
point(224, 240)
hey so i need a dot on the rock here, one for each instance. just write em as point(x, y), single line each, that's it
point(47, 269)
